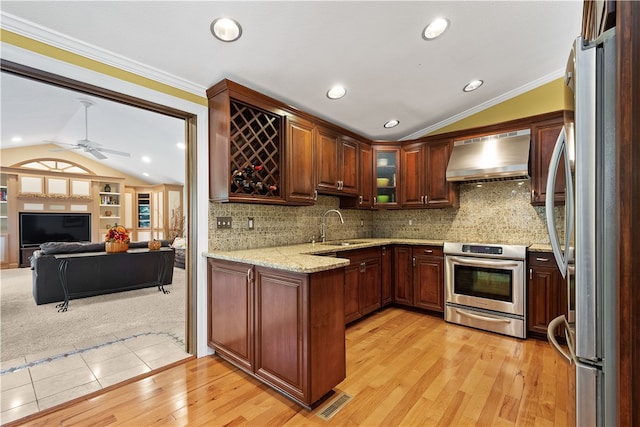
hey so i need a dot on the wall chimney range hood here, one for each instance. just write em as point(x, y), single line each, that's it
point(490, 158)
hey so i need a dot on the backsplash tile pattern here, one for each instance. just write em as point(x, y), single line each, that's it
point(497, 212)
point(284, 225)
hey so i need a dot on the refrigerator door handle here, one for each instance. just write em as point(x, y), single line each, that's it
point(561, 147)
point(570, 357)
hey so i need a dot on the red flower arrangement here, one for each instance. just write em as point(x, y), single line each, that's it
point(117, 233)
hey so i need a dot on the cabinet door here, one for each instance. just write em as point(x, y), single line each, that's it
point(386, 171)
point(439, 193)
point(546, 293)
point(414, 175)
point(230, 311)
point(386, 276)
point(280, 325)
point(403, 289)
point(327, 160)
point(299, 155)
point(370, 284)
point(349, 165)
point(352, 307)
point(366, 176)
point(428, 281)
point(543, 140)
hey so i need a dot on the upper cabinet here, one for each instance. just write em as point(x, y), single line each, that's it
point(386, 162)
point(246, 138)
point(543, 139)
point(423, 178)
point(336, 163)
point(300, 158)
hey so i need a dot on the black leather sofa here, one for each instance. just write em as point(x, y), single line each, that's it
point(91, 271)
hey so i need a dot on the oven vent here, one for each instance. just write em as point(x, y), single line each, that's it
point(490, 158)
point(334, 406)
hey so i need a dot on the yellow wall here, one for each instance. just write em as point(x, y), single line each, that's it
point(549, 97)
point(12, 156)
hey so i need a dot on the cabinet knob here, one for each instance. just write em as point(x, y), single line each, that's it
point(315, 195)
point(413, 261)
point(361, 199)
point(428, 251)
point(531, 274)
point(542, 259)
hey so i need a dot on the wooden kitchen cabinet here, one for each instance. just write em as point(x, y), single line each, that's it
point(285, 329)
point(336, 163)
point(364, 198)
point(546, 293)
point(230, 307)
point(402, 274)
point(544, 135)
point(423, 178)
point(362, 282)
point(419, 277)
point(386, 276)
point(300, 158)
point(386, 172)
point(428, 278)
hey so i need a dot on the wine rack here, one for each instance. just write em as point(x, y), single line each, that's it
point(255, 137)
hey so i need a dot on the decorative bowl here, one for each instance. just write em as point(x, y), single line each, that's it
point(383, 198)
point(382, 182)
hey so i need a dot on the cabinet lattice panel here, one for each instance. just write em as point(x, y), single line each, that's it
point(255, 151)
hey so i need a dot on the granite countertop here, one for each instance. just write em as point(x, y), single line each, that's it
point(538, 247)
point(308, 257)
point(314, 257)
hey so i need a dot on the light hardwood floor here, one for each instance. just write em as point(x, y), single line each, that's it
point(403, 368)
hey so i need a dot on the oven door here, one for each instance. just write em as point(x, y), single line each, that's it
point(489, 284)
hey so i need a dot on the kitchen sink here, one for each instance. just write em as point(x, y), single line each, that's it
point(343, 243)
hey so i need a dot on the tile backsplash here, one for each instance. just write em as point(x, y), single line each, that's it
point(496, 212)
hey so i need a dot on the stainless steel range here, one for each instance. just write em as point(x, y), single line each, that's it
point(485, 287)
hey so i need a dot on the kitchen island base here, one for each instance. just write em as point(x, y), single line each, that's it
point(285, 329)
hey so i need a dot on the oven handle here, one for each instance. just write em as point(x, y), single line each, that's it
point(478, 317)
point(463, 261)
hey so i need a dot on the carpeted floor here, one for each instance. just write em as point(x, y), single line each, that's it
point(27, 328)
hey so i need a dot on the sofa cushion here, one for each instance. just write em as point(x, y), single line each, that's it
point(51, 248)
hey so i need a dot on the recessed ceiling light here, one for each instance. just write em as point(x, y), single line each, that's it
point(181, 145)
point(435, 29)
point(336, 92)
point(226, 29)
point(16, 139)
point(146, 159)
point(145, 174)
point(472, 85)
point(391, 124)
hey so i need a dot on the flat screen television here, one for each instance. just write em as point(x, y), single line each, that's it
point(37, 228)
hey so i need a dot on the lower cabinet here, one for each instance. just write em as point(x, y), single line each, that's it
point(362, 287)
point(286, 329)
point(546, 293)
point(419, 277)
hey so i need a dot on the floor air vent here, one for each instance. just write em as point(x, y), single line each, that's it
point(334, 406)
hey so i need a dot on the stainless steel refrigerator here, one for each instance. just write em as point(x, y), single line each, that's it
point(589, 163)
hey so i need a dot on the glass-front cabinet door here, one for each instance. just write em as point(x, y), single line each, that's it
point(385, 176)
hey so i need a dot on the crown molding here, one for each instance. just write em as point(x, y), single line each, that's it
point(58, 40)
point(488, 104)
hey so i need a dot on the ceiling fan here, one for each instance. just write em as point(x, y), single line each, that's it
point(86, 144)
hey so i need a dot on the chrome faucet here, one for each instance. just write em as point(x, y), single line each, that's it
point(323, 233)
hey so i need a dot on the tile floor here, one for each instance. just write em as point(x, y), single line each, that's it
point(36, 382)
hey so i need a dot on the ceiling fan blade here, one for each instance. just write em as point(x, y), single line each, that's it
point(97, 154)
point(65, 149)
point(119, 153)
